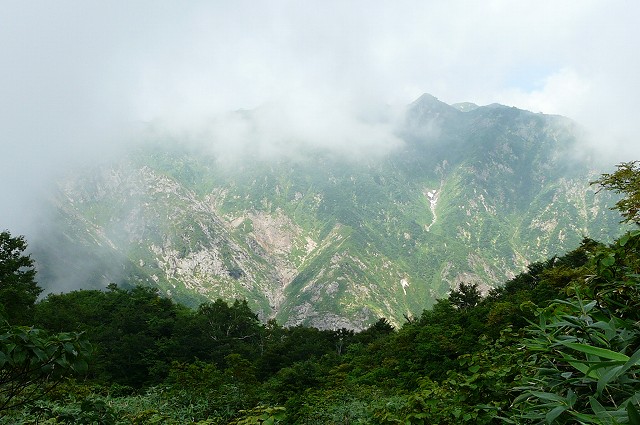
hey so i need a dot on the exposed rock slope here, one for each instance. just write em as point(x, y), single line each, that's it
point(472, 195)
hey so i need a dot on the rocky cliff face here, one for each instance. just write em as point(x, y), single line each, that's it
point(473, 195)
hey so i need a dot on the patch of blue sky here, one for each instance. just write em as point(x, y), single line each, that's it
point(529, 77)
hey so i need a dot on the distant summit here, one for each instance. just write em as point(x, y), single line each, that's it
point(473, 194)
point(428, 102)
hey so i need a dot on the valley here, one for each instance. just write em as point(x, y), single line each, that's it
point(318, 239)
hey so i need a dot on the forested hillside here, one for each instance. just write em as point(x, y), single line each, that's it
point(329, 239)
point(558, 343)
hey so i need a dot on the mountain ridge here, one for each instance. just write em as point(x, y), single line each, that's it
point(469, 197)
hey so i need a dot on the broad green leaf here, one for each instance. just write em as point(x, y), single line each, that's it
point(40, 354)
point(81, 366)
point(62, 361)
point(607, 326)
point(548, 396)
point(624, 239)
point(69, 348)
point(596, 351)
point(596, 406)
point(19, 356)
point(571, 398)
point(586, 419)
point(521, 397)
point(606, 378)
point(609, 260)
point(554, 413)
point(598, 364)
point(632, 412)
point(590, 305)
point(633, 360)
point(601, 412)
point(579, 365)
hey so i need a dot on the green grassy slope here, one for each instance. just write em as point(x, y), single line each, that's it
point(332, 242)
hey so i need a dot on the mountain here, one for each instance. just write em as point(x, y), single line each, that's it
point(472, 194)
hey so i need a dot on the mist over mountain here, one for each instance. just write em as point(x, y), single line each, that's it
point(330, 227)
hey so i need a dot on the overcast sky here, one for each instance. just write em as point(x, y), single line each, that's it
point(74, 75)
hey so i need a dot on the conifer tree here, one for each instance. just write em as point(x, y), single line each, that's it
point(18, 288)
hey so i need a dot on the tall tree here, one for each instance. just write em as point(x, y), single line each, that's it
point(466, 296)
point(626, 181)
point(18, 288)
point(32, 362)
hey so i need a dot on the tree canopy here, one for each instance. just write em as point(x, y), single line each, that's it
point(18, 288)
point(32, 361)
point(557, 344)
point(625, 181)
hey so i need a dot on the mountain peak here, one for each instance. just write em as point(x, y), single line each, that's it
point(470, 197)
point(428, 100)
point(429, 105)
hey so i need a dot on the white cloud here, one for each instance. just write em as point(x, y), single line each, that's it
point(75, 73)
point(560, 92)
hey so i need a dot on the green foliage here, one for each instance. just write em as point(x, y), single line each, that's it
point(264, 415)
point(503, 198)
point(558, 343)
point(18, 289)
point(90, 411)
point(283, 348)
point(434, 369)
point(208, 392)
point(225, 323)
point(626, 181)
point(129, 328)
point(615, 281)
point(467, 295)
point(582, 372)
point(379, 330)
point(32, 362)
point(586, 349)
point(474, 394)
point(345, 404)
